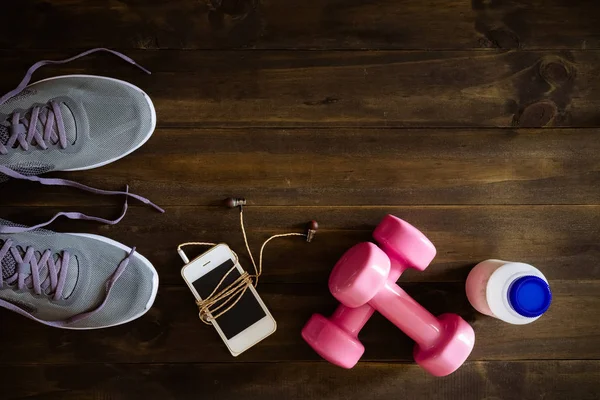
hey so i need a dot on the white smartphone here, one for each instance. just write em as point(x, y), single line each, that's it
point(249, 321)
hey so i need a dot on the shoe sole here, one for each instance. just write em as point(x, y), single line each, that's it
point(141, 258)
point(148, 101)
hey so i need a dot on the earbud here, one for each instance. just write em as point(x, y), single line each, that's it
point(312, 228)
point(233, 202)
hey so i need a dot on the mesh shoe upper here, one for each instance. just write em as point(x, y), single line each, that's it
point(92, 263)
point(104, 119)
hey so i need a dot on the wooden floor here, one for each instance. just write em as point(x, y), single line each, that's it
point(477, 121)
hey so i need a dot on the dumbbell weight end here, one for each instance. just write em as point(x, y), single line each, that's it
point(332, 342)
point(452, 349)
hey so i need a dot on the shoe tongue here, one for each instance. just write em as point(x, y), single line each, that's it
point(9, 265)
point(69, 122)
point(4, 134)
point(9, 269)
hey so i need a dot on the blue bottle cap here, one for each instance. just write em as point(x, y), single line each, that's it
point(530, 296)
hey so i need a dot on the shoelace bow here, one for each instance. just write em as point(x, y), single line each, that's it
point(33, 135)
point(27, 275)
point(51, 128)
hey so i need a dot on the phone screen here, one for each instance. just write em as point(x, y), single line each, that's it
point(245, 313)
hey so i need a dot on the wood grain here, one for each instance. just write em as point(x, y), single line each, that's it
point(302, 24)
point(474, 120)
point(347, 167)
point(475, 380)
point(171, 331)
point(353, 89)
point(561, 240)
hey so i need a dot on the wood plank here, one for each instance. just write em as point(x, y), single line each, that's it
point(171, 331)
point(348, 167)
point(476, 380)
point(302, 24)
point(560, 240)
point(350, 89)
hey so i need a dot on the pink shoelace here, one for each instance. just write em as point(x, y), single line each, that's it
point(27, 276)
point(50, 121)
point(57, 270)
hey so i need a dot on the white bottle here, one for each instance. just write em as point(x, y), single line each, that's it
point(514, 292)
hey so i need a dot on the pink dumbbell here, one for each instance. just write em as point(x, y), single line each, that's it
point(364, 281)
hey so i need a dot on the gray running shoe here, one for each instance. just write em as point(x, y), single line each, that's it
point(74, 281)
point(72, 123)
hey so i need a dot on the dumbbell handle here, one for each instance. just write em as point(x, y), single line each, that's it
point(408, 315)
point(352, 320)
